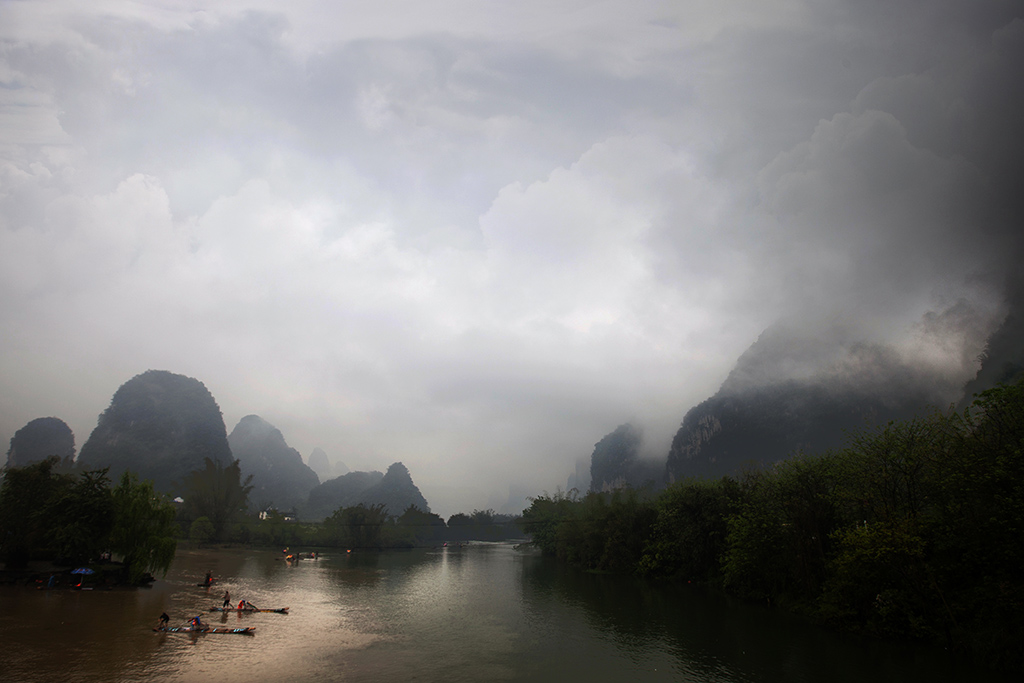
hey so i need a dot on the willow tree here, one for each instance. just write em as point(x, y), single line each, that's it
point(143, 530)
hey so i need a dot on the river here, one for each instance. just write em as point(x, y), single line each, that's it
point(484, 612)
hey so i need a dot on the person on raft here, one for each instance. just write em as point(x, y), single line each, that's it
point(164, 620)
point(209, 578)
point(227, 600)
point(197, 623)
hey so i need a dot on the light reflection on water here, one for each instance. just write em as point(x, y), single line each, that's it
point(485, 612)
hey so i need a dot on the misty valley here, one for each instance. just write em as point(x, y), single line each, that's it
point(904, 530)
point(505, 341)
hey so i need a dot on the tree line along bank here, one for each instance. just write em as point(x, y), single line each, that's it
point(55, 511)
point(915, 530)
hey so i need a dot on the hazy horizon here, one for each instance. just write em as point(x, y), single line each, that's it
point(476, 237)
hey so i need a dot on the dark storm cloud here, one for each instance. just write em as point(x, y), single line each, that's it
point(477, 238)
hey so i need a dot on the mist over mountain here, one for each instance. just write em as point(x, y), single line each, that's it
point(1002, 360)
point(729, 432)
point(40, 439)
point(395, 490)
point(580, 477)
point(480, 271)
point(279, 477)
point(793, 392)
point(319, 463)
point(161, 426)
point(616, 462)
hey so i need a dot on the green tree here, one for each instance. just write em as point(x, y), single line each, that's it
point(144, 529)
point(601, 531)
point(880, 583)
point(28, 503)
point(201, 531)
point(416, 527)
point(626, 529)
point(688, 535)
point(976, 525)
point(217, 493)
point(83, 516)
point(275, 529)
point(779, 537)
point(544, 518)
point(359, 526)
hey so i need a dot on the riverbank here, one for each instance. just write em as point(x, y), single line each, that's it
point(44, 575)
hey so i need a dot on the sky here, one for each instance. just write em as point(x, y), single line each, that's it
point(476, 236)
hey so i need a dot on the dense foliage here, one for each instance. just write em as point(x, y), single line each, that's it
point(480, 525)
point(372, 527)
point(74, 519)
point(143, 530)
point(49, 513)
point(915, 530)
point(218, 494)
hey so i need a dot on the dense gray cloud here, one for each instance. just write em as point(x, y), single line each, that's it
point(475, 238)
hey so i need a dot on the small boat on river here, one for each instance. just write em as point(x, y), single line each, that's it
point(206, 629)
point(279, 610)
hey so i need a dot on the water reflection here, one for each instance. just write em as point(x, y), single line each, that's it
point(714, 638)
point(481, 613)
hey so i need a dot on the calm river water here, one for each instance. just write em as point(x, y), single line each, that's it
point(485, 612)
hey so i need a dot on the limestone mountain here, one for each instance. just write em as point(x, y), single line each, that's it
point(729, 432)
point(279, 477)
point(770, 407)
point(340, 492)
point(1002, 362)
point(319, 463)
point(161, 426)
point(579, 479)
point(616, 462)
point(395, 490)
point(39, 439)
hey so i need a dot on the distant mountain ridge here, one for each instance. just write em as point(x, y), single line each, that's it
point(321, 464)
point(772, 406)
point(395, 490)
point(729, 432)
point(279, 477)
point(163, 426)
point(790, 392)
